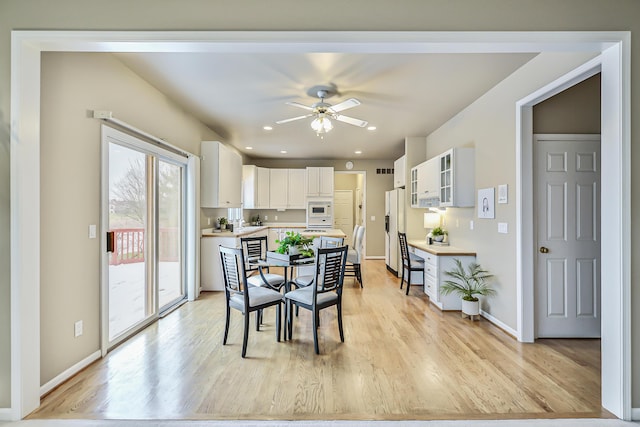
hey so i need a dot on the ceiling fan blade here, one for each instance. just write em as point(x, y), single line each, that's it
point(279, 122)
point(297, 104)
point(351, 120)
point(349, 103)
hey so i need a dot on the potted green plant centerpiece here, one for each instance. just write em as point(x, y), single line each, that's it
point(295, 244)
point(467, 284)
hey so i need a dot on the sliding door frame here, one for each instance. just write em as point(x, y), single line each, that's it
point(111, 135)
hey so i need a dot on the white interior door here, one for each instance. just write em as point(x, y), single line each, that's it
point(343, 213)
point(568, 235)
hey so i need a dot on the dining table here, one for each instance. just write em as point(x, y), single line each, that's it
point(288, 264)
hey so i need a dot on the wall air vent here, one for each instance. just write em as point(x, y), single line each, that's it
point(384, 171)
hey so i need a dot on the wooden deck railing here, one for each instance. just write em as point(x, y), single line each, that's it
point(129, 245)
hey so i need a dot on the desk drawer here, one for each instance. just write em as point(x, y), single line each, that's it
point(430, 259)
point(430, 286)
point(431, 271)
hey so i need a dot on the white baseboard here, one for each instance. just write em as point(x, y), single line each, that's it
point(62, 377)
point(498, 323)
point(374, 257)
point(6, 414)
point(635, 414)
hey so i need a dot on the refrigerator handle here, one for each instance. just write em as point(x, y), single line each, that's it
point(386, 223)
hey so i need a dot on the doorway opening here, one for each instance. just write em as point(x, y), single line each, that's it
point(350, 189)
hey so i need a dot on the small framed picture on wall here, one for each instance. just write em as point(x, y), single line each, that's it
point(486, 200)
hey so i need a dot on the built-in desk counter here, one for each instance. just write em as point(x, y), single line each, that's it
point(437, 260)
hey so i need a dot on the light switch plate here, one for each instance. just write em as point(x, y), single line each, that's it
point(503, 227)
point(92, 231)
point(471, 225)
point(373, 218)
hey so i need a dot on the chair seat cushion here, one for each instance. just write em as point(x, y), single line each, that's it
point(353, 256)
point(417, 263)
point(302, 281)
point(257, 296)
point(274, 280)
point(305, 296)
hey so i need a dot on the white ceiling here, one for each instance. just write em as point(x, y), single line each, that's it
point(401, 94)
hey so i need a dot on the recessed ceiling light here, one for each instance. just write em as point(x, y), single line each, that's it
point(267, 128)
point(372, 128)
point(249, 148)
point(283, 151)
point(358, 152)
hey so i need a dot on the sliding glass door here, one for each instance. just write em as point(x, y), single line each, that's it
point(145, 197)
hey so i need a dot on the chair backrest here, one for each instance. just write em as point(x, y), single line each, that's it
point(359, 242)
point(329, 266)
point(355, 234)
point(404, 248)
point(235, 277)
point(331, 242)
point(253, 248)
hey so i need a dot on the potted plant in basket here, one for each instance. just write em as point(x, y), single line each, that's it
point(223, 222)
point(468, 284)
point(295, 244)
point(438, 234)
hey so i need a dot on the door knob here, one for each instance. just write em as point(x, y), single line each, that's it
point(544, 250)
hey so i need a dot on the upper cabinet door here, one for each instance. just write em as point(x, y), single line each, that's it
point(279, 188)
point(399, 172)
point(320, 182)
point(220, 176)
point(457, 177)
point(296, 194)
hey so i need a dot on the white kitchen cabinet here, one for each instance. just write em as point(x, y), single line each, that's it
point(278, 188)
point(255, 187)
point(220, 176)
point(211, 275)
point(399, 170)
point(295, 191)
point(435, 267)
point(457, 178)
point(320, 182)
point(287, 188)
point(425, 188)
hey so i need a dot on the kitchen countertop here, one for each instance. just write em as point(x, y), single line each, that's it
point(208, 232)
point(329, 232)
point(439, 250)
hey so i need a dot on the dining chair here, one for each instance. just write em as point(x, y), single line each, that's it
point(242, 297)
point(256, 248)
point(325, 292)
point(355, 255)
point(306, 274)
point(410, 262)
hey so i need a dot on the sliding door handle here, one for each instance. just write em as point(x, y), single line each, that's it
point(111, 241)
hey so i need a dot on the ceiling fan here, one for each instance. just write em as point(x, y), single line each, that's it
point(324, 112)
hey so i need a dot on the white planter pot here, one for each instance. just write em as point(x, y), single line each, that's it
point(294, 250)
point(471, 308)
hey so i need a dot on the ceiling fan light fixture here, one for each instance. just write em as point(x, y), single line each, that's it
point(321, 124)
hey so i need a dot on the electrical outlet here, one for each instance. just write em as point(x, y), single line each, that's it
point(266, 217)
point(92, 231)
point(471, 225)
point(208, 221)
point(275, 218)
point(78, 328)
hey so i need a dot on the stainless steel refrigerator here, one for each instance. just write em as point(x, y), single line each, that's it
point(393, 223)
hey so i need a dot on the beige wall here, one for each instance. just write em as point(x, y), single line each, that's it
point(489, 125)
point(381, 15)
point(575, 110)
point(375, 185)
point(72, 84)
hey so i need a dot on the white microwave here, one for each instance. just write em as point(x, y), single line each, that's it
point(319, 209)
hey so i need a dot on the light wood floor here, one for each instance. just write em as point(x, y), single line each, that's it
point(402, 359)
